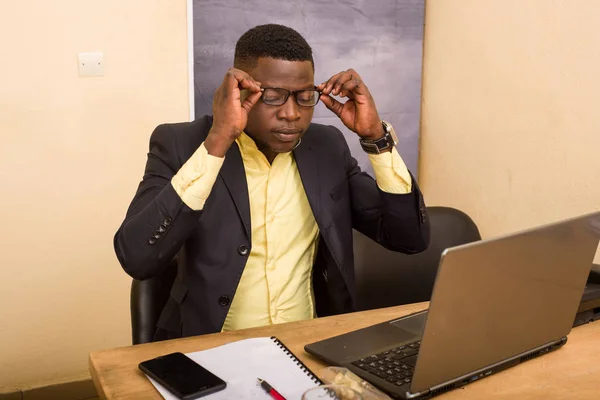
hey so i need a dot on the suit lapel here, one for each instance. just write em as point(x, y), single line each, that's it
point(234, 175)
point(308, 167)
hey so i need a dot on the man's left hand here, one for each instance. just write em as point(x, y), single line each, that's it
point(359, 112)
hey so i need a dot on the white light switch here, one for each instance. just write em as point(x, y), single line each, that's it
point(91, 64)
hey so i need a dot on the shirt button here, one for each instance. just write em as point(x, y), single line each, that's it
point(224, 301)
point(156, 235)
point(151, 240)
point(243, 250)
point(162, 229)
point(167, 221)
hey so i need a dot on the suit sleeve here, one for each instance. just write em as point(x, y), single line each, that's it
point(159, 219)
point(397, 221)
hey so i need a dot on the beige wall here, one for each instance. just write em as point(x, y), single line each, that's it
point(511, 128)
point(72, 153)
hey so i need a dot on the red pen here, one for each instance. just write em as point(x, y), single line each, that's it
point(269, 389)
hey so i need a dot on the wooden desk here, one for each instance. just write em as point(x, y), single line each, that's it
point(570, 372)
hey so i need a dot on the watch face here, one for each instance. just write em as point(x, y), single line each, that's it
point(391, 131)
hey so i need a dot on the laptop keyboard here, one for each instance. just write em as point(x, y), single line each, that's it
point(395, 365)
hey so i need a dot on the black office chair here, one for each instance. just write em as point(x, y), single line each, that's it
point(385, 278)
point(147, 300)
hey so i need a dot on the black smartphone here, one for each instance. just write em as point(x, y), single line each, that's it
point(182, 376)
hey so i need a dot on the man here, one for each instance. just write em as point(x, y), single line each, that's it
point(258, 204)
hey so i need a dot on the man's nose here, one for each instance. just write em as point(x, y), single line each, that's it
point(290, 110)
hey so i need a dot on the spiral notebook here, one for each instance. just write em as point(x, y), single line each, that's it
point(241, 363)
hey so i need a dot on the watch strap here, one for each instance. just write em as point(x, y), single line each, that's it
point(378, 146)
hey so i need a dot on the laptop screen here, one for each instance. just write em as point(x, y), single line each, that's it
point(498, 298)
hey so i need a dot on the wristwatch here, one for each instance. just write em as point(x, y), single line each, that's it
point(384, 143)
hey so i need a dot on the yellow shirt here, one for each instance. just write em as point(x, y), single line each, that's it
point(276, 285)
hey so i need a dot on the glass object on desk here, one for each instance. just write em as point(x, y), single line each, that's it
point(344, 377)
point(331, 391)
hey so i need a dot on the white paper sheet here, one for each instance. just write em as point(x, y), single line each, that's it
point(241, 363)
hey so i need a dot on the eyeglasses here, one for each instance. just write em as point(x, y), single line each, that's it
point(278, 96)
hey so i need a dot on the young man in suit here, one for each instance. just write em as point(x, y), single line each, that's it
point(258, 204)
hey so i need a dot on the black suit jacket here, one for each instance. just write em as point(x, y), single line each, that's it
point(212, 245)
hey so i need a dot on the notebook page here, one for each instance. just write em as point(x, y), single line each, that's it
point(241, 363)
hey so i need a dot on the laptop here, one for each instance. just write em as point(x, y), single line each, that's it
point(495, 303)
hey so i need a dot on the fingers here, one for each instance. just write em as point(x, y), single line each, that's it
point(335, 106)
point(250, 84)
point(235, 78)
point(349, 88)
point(251, 100)
point(345, 84)
point(327, 87)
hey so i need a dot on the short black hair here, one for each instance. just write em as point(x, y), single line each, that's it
point(272, 41)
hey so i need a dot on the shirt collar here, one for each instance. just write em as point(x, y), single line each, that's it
point(250, 151)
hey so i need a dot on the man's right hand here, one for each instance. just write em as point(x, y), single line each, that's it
point(230, 113)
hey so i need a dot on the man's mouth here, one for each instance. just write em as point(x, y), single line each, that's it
point(287, 135)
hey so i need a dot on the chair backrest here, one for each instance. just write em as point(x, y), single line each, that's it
point(385, 278)
point(147, 300)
